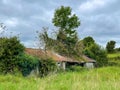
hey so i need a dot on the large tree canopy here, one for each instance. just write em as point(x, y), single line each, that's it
point(44, 40)
point(66, 23)
point(64, 19)
point(110, 46)
point(87, 41)
point(93, 50)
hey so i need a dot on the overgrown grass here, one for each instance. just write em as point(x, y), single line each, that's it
point(114, 59)
point(113, 55)
point(10, 82)
point(98, 79)
point(107, 78)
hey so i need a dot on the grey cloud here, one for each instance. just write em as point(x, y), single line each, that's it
point(25, 17)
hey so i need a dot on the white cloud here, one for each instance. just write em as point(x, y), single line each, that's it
point(12, 22)
point(30, 44)
point(46, 16)
point(92, 5)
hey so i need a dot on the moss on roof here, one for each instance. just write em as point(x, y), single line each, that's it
point(55, 56)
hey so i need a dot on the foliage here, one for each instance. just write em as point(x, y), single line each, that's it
point(92, 50)
point(67, 35)
point(10, 48)
point(44, 39)
point(64, 19)
point(66, 41)
point(79, 48)
point(47, 66)
point(61, 48)
point(110, 46)
point(117, 49)
point(87, 41)
point(27, 63)
point(96, 52)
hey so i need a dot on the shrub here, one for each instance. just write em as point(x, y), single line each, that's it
point(27, 63)
point(96, 52)
point(10, 48)
point(46, 66)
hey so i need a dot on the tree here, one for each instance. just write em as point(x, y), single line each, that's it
point(64, 19)
point(110, 46)
point(93, 50)
point(87, 41)
point(66, 23)
point(43, 37)
point(97, 53)
point(45, 41)
point(79, 47)
point(10, 48)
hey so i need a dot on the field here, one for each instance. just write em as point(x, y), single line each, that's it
point(114, 55)
point(114, 59)
point(107, 78)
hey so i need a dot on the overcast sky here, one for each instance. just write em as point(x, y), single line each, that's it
point(99, 18)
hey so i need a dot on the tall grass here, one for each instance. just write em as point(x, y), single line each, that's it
point(10, 82)
point(113, 55)
point(98, 79)
point(114, 59)
point(107, 78)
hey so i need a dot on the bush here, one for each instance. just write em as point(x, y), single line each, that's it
point(27, 63)
point(10, 48)
point(46, 66)
point(96, 52)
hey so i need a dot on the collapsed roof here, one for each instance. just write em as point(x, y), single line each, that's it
point(55, 56)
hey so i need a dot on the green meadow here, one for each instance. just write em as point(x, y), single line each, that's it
point(114, 59)
point(114, 55)
point(106, 78)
